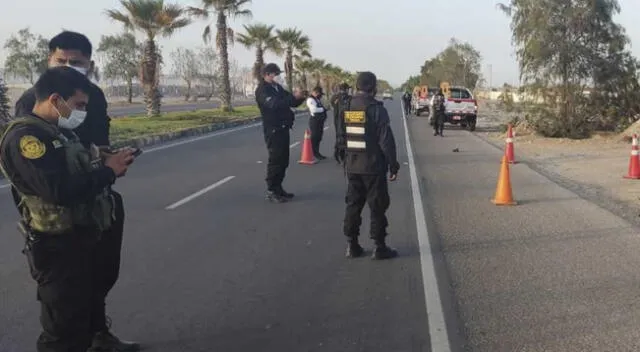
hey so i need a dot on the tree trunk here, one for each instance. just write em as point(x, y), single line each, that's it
point(225, 94)
point(149, 78)
point(288, 68)
point(130, 90)
point(257, 67)
point(188, 94)
point(305, 84)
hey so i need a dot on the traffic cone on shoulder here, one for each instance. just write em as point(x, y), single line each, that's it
point(504, 194)
point(508, 151)
point(307, 151)
point(634, 161)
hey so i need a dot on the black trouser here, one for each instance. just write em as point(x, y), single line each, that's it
point(62, 266)
point(371, 189)
point(316, 125)
point(74, 274)
point(407, 107)
point(277, 140)
point(107, 264)
point(438, 122)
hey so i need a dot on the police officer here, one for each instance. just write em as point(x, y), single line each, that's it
point(370, 153)
point(337, 100)
point(75, 50)
point(437, 113)
point(275, 105)
point(316, 122)
point(61, 189)
point(406, 97)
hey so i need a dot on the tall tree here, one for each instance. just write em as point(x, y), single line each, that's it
point(459, 64)
point(222, 9)
point(563, 46)
point(27, 55)
point(153, 18)
point(261, 38)
point(295, 44)
point(209, 69)
point(122, 55)
point(304, 67)
point(187, 67)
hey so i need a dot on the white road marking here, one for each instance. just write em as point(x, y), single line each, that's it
point(435, 315)
point(5, 185)
point(199, 193)
point(326, 128)
point(294, 144)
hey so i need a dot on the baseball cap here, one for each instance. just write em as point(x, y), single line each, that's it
point(271, 68)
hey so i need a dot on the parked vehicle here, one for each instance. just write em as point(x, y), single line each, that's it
point(461, 108)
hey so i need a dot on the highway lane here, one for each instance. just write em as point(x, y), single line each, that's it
point(555, 273)
point(229, 271)
point(137, 109)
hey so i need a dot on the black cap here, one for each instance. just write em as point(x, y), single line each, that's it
point(271, 68)
point(366, 82)
point(318, 89)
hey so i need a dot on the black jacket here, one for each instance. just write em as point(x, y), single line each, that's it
point(275, 105)
point(95, 128)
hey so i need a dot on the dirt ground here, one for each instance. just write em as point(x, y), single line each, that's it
point(594, 167)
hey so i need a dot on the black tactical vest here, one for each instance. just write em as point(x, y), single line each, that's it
point(363, 154)
point(319, 104)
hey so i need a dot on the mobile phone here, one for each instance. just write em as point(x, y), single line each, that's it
point(137, 152)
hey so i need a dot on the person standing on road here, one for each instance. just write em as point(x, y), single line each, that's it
point(406, 98)
point(61, 190)
point(437, 113)
point(337, 101)
point(74, 50)
point(316, 122)
point(370, 153)
point(275, 105)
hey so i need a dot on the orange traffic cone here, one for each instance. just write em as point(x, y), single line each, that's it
point(307, 151)
point(634, 161)
point(504, 195)
point(508, 151)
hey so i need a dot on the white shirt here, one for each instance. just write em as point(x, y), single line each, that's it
point(313, 106)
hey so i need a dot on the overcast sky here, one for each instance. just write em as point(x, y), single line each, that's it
point(390, 38)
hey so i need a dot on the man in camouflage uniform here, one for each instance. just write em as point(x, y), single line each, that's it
point(437, 113)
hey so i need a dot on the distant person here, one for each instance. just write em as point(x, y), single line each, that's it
point(62, 191)
point(337, 100)
point(75, 50)
point(370, 153)
point(437, 113)
point(316, 122)
point(275, 105)
point(406, 99)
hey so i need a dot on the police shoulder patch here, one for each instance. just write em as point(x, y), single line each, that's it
point(355, 117)
point(31, 147)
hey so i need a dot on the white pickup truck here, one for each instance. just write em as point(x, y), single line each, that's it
point(460, 108)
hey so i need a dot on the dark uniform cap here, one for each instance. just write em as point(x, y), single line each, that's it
point(344, 86)
point(366, 81)
point(271, 68)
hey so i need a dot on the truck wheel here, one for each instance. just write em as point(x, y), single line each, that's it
point(463, 125)
point(418, 112)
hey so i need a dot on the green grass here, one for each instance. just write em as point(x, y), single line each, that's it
point(130, 127)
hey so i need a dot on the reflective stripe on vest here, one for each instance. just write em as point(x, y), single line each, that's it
point(356, 128)
point(51, 218)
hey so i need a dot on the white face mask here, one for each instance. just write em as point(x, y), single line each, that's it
point(82, 70)
point(75, 118)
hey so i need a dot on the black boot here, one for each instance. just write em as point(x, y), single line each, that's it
point(383, 251)
point(275, 197)
point(105, 341)
point(285, 194)
point(354, 249)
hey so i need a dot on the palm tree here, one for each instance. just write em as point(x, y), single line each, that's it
point(153, 18)
point(261, 38)
point(222, 9)
point(317, 67)
point(296, 45)
point(304, 68)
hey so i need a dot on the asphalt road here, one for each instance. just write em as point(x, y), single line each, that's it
point(223, 270)
point(137, 109)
